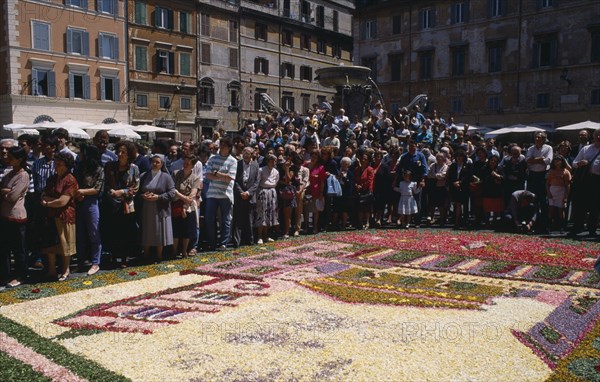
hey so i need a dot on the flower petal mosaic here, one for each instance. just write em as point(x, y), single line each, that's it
point(421, 305)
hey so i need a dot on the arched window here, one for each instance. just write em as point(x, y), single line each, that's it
point(206, 92)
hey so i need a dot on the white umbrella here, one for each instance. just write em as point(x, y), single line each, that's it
point(76, 132)
point(580, 126)
point(28, 131)
point(14, 126)
point(73, 123)
point(152, 129)
point(124, 132)
point(109, 126)
point(43, 125)
point(513, 129)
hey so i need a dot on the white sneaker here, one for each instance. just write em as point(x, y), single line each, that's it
point(270, 240)
point(260, 241)
point(93, 270)
point(286, 236)
point(296, 234)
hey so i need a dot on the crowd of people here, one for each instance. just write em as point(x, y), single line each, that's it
point(281, 175)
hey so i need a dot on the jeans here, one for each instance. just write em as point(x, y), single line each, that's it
point(89, 245)
point(210, 217)
point(536, 183)
point(13, 240)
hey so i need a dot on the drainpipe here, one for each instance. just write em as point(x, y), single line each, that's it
point(519, 55)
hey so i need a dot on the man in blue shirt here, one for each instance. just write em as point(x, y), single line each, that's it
point(424, 136)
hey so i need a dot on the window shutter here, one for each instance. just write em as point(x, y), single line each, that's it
point(51, 84)
point(71, 86)
point(34, 82)
point(465, 10)
point(100, 38)
point(282, 70)
point(84, 4)
point(432, 18)
point(102, 88)
point(553, 52)
point(157, 17)
point(116, 48)
point(256, 65)
point(211, 92)
point(116, 90)
point(490, 10)
point(86, 86)
point(502, 7)
point(454, 13)
point(69, 39)
point(374, 35)
point(158, 62)
point(293, 74)
point(99, 5)
point(267, 67)
point(115, 9)
point(37, 36)
point(171, 62)
point(422, 19)
point(86, 43)
point(536, 55)
point(170, 18)
point(310, 76)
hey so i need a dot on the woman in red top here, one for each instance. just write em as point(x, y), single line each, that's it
point(60, 204)
point(364, 176)
point(316, 202)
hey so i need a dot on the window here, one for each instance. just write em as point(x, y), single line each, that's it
point(260, 31)
point(165, 62)
point(287, 70)
point(395, 67)
point(78, 42)
point(595, 97)
point(261, 65)
point(107, 6)
point(496, 8)
point(427, 18)
point(543, 100)
point(234, 95)
point(164, 102)
point(457, 105)
point(79, 86)
point(459, 54)
point(141, 58)
point(233, 58)
point(426, 65)
point(77, 3)
point(205, 53)
point(109, 89)
point(287, 38)
point(460, 12)
point(305, 12)
point(545, 4)
point(336, 50)
point(108, 46)
point(370, 30)
point(320, 16)
point(371, 63)
point(184, 22)
point(286, 8)
point(257, 98)
point(141, 100)
point(306, 73)
point(163, 18)
point(185, 103)
point(493, 103)
point(233, 31)
point(43, 82)
point(545, 51)
point(185, 60)
point(305, 41)
point(204, 24)
point(595, 45)
point(287, 101)
point(495, 53)
point(140, 13)
point(305, 102)
point(336, 21)
point(321, 46)
point(207, 92)
point(41, 35)
point(396, 24)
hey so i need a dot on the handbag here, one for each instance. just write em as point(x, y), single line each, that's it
point(334, 187)
point(177, 208)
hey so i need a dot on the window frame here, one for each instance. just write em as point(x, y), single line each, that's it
point(189, 64)
point(137, 105)
point(50, 82)
point(85, 85)
point(142, 12)
point(181, 101)
point(162, 105)
point(84, 41)
point(136, 58)
point(47, 39)
point(114, 52)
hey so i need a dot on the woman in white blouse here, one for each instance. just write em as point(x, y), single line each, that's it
point(266, 203)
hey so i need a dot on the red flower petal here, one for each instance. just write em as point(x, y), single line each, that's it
point(132, 273)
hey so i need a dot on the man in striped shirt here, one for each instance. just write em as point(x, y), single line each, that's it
point(221, 169)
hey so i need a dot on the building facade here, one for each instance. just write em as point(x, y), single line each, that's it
point(492, 62)
point(251, 47)
point(162, 64)
point(63, 59)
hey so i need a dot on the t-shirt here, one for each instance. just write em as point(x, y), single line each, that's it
point(221, 189)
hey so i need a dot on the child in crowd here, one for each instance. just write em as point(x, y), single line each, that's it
point(558, 184)
point(408, 204)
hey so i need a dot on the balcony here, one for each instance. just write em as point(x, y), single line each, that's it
point(263, 6)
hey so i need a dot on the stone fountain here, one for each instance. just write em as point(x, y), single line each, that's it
point(352, 85)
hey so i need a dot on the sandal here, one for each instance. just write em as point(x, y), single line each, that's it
point(63, 277)
point(192, 252)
